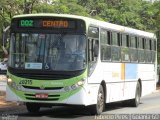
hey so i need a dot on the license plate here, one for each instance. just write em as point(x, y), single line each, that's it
point(41, 95)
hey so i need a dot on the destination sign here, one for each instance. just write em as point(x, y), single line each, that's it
point(26, 23)
point(47, 23)
point(55, 23)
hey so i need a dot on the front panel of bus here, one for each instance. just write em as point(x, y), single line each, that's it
point(47, 59)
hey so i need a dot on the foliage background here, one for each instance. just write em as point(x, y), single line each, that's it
point(137, 14)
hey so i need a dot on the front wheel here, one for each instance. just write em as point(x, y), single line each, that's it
point(32, 107)
point(100, 106)
point(135, 102)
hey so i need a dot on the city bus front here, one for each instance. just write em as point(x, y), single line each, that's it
point(47, 60)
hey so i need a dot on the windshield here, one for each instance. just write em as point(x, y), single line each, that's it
point(64, 52)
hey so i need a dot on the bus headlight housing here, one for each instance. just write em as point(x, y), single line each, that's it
point(9, 81)
point(81, 82)
point(74, 86)
point(13, 84)
point(67, 89)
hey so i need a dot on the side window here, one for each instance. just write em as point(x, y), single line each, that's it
point(116, 46)
point(155, 44)
point(93, 32)
point(150, 44)
point(125, 40)
point(147, 44)
point(125, 48)
point(153, 50)
point(148, 53)
point(141, 55)
point(93, 49)
point(105, 38)
point(143, 42)
point(133, 49)
point(93, 46)
point(93, 43)
point(133, 42)
point(12, 57)
point(140, 45)
point(116, 38)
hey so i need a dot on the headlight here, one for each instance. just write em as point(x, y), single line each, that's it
point(74, 86)
point(13, 84)
point(9, 80)
point(80, 83)
point(67, 89)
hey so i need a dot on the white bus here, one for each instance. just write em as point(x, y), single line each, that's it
point(59, 59)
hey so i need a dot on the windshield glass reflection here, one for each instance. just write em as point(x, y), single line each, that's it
point(48, 51)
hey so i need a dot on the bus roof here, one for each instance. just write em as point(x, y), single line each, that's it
point(90, 21)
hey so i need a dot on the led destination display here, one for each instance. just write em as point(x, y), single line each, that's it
point(47, 23)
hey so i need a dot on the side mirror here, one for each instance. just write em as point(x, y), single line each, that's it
point(4, 42)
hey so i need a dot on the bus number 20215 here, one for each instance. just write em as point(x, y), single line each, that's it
point(25, 82)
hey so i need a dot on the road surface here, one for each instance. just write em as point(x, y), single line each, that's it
point(148, 109)
point(3, 82)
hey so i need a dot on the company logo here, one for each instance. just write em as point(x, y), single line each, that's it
point(42, 87)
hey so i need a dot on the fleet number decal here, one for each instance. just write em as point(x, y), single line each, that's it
point(25, 82)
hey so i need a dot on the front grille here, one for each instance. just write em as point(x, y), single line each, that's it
point(45, 88)
point(41, 99)
point(50, 97)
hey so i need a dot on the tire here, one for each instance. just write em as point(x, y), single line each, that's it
point(32, 107)
point(100, 106)
point(136, 101)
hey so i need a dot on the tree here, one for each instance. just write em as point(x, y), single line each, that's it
point(156, 15)
point(137, 14)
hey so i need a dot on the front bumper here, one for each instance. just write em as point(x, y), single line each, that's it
point(84, 96)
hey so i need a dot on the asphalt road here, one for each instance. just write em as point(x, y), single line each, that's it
point(148, 109)
point(3, 86)
point(3, 82)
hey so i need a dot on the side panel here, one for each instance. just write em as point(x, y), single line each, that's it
point(121, 79)
point(113, 75)
point(147, 73)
